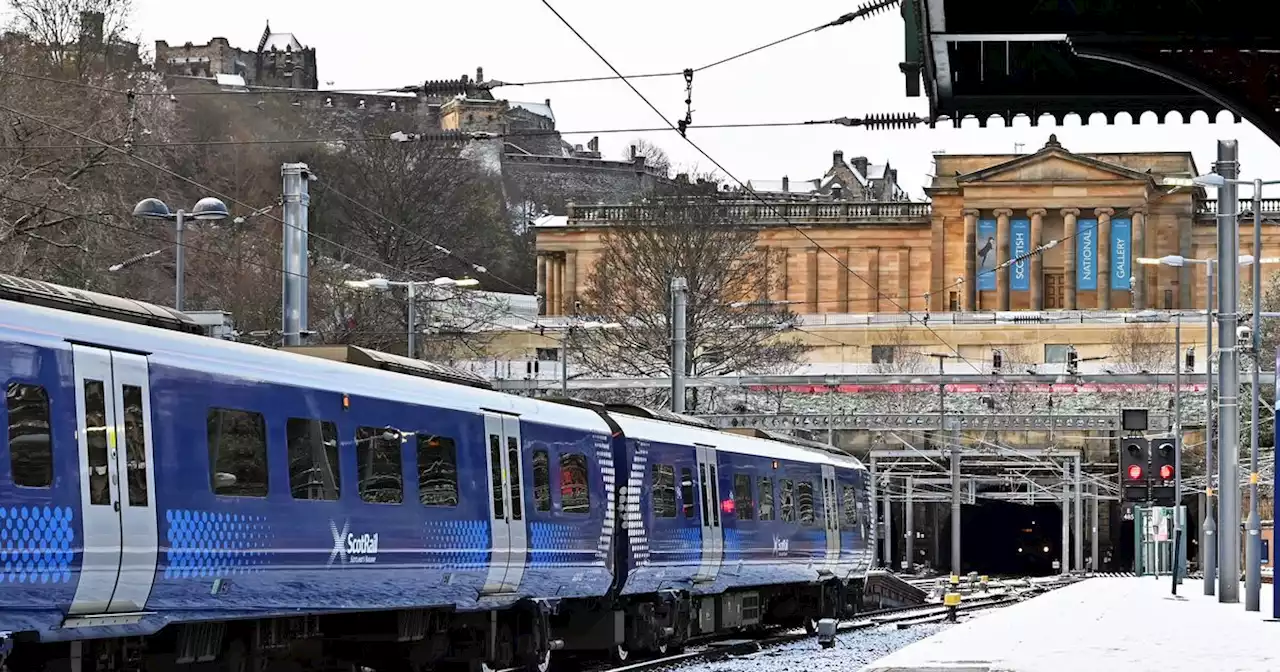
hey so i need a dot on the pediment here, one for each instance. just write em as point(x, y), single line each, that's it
point(1053, 165)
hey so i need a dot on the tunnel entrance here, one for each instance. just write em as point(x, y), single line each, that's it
point(1004, 538)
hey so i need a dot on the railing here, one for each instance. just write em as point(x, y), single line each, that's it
point(773, 213)
point(1270, 206)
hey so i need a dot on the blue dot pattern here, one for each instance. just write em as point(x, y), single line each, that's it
point(210, 543)
point(458, 544)
point(732, 544)
point(554, 544)
point(36, 544)
point(687, 547)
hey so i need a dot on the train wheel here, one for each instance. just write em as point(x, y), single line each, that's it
point(661, 649)
point(811, 625)
point(621, 654)
point(542, 664)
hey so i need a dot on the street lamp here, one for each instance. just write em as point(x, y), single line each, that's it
point(206, 209)
point(383, 284)
point(1253, 539)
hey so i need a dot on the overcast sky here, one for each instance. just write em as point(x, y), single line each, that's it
point(849, 70)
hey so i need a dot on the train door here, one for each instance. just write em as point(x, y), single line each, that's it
point(831, 510)
point(509, 533)
point(712, 533)
point(113, 411)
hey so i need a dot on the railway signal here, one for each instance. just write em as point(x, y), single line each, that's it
point(1163, 471)
point(1135, 459)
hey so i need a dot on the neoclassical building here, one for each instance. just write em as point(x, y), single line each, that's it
point(1049, 230)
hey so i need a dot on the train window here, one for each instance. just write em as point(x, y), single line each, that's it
point(715, 496)
point(135, 444)
point(237, 452)
point(513, 463)
point(804, 493)
point(541, 481)
point(381, 479)
point(743, 501)
point(574, 493)
point(766, 499)
point(850, 507)
point(437, 471)
point(664, 491)
point(30, 447)
point(702, 489)
point(95, 437)
point(786, 492)
point(313, 459)
point(495, 475)
point(686, 492)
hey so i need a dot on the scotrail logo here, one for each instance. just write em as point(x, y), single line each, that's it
point(350, 549)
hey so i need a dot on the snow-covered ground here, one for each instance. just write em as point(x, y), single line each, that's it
point(1103, 625)
point(855, 649)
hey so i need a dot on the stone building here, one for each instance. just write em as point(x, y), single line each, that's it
point(1050, 230)
point(280, 60)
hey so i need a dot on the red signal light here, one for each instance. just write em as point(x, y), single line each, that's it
point(1166, 471)
point(1135, 472)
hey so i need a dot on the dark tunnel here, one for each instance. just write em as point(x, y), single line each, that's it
point(1004, 538)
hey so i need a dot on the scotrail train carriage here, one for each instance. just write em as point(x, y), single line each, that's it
point(185, 501)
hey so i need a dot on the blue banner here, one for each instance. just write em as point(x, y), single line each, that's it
point(986, 244)
point(1019, 246)
point(1121, 254)
point(1087, 254)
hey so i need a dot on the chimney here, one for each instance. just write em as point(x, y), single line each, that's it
point(837, 158)
point(786, 184)
point(860, 165)
point(633, 152)
point(548, 101)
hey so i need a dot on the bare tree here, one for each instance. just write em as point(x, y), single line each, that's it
point(892, 351)
point(76, 35)
point(686, 233)
point(1141, 347)
point(654, 156)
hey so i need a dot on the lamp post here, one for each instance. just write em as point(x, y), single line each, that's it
point(1226, 185)
point(954, 455)
point(383, 284)
point(206, 209)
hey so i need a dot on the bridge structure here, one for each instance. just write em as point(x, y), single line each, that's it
point(1011, 57)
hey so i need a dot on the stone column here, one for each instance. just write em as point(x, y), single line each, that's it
point(1139, 216)
point(570, 282)
point(1104, 257)
point(1036, 262)
point(1002, 258)
point(542, 283)
point(1069, 254)
point(969, 293)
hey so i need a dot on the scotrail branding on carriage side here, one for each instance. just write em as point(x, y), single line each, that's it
point(351, 549)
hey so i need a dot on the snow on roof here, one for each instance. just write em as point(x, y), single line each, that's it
point(551, 220)
point(794, 186)
point(281, 42)
point(229, 80)
point(540, 109)
point(876, 171)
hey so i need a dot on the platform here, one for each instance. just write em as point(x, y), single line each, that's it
point(1103, 625)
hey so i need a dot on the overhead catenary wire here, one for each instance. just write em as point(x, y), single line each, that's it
point(743, 185)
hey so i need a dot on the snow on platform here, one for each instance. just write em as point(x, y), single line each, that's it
point(1103, 625)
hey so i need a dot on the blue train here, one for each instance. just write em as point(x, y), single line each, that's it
point(172, 500)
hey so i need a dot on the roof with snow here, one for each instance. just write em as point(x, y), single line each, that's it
point(281, 42)
point(540, 109)
point(793, 186)
point(551, 220)
point(235, 81)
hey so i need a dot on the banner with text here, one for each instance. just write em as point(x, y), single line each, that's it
point(1121, 254)
point(986, 243)
point(1087, 254)
point(1019, 246)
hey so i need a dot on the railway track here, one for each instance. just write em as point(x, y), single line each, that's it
point(727, 648)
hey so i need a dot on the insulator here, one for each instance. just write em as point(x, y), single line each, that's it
point(890, 121)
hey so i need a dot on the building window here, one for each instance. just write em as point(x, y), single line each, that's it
point(548, 354)
point(30, 447)
point(882, 354)
point(378, 462)
point(313, 459)
point(953, 302)
point(1168, 299)
point(1055, 354)
point(237, 453)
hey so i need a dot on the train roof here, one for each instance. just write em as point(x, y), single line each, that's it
point(50, 327)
